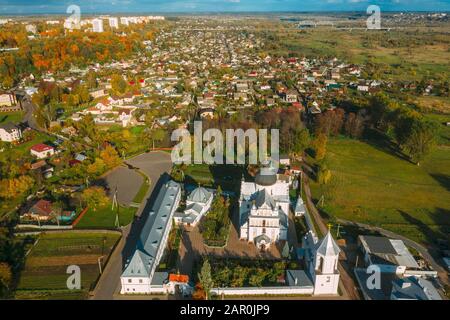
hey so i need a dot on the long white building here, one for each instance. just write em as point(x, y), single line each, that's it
point(140, 269)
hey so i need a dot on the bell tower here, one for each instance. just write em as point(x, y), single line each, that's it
point(325, 266)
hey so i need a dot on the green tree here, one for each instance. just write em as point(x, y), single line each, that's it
point(205, 278)
point(421, 140)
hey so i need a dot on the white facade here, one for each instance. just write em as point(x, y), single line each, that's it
point(264, 209)
point(97, 25)
point(42, 152)
point(114, 22)
point(10, 133)
point(324, 266)
point(7, 99)
point(124, 21)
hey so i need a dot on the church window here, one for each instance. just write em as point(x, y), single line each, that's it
point(264, 230)
point(320, 263)
point(140, 280)
point(129, 280)
point(264, 223)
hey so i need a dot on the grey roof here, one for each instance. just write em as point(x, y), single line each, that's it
point(413, 288)
point(159, 278)
point(197, 208)
point(150, 239)
point(8, 126)
point(383, 250)
point(379, 244)
point(298, 278)
point(300, 206)
point(267, 175)
point(263, 197)
point(200, 195)
point(327, 246)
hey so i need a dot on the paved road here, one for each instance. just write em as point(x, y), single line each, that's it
point(127, 181)
point(154, 165)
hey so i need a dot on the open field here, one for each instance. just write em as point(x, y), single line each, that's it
point(404, 55)
point(105, 218)
point(372, 186)
point(44, 275)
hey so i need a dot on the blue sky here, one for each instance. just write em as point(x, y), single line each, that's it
point(59, 6)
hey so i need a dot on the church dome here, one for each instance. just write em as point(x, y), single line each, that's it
point(199, 195)
point(266, 176)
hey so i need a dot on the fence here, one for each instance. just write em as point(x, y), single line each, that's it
point(260, 291)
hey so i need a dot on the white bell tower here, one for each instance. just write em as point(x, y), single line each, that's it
point(325, 266)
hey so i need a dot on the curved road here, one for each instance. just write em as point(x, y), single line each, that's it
point(154, 165)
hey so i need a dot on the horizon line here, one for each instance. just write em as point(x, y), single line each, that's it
point(205, 12)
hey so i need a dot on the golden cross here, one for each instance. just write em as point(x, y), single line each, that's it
point(329, 226)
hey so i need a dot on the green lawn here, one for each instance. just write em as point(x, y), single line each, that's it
point(45, 272)
point(139, 197)
point(105, 217)
point(375, 187)
point(227, 176)
point(13, 117)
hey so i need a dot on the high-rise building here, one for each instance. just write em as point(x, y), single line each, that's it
point(97, 25)
point(124, 21)
point(114, 22)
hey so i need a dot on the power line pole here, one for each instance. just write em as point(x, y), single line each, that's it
point(116, 204)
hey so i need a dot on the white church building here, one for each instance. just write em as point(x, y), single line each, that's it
point(264, 209)
point(198, 203)
point(139, 273)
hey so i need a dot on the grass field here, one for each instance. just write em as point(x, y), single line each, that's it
point(415, 53)
point(44, 275)
point(227, 176)
point(105, 218)
point(139, 197)
point(372, 186)
point(13, 117)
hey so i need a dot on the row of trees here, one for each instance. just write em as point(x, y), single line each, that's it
point(215, 225)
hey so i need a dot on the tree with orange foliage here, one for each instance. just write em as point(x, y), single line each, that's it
point(199, 293)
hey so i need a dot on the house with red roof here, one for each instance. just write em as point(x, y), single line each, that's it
point(42, 151)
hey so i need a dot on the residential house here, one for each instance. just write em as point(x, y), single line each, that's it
point(9, 132)
point(42, 151)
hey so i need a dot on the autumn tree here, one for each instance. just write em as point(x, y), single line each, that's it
point(95, 197)
point(320, 146)
point(5, 277)
point(118, 84)
point(110, 157)
point(14, 187)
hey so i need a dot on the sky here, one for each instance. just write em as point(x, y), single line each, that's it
point(178, 6)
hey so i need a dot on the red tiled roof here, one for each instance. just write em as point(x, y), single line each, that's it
point(42, 207)
point(40, 147)
point(178, 278)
